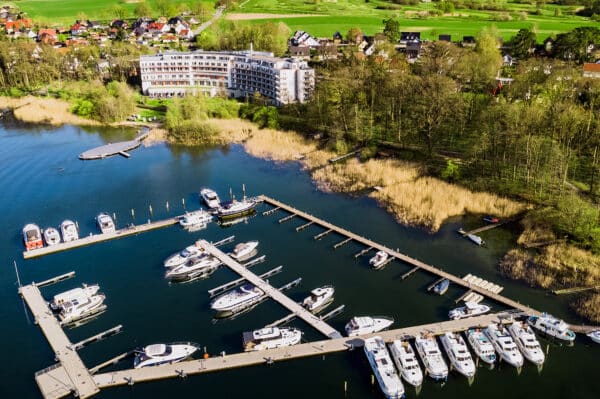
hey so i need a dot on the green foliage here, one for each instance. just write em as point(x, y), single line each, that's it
point(83, 108)
point(451, 172)
point(265, 116)
point(522, 44)
point(391, 29)
point(573, 45)
point(447, 7)
point(227, 35)
point(579, 219)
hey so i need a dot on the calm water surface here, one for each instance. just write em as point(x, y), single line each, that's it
point(43, 182)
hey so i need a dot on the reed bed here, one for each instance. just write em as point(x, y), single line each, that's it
point(44, 110)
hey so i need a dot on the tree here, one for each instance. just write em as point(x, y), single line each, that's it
point(354, 35)
point(142, 9)
point(118, 11)
point(522, 43)
point(573, 45)
point(391, 29)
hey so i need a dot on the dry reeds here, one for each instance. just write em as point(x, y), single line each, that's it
point(535, 232)
point(44, 110)
point(589, 307)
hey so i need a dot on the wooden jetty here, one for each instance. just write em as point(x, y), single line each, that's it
point(410, 272)
point(305, 225)
point(343, 242)
point(108, 150)
point(95, 238)
point(491, 226)
point(370, 244)
point(344, 156)
point(235, 283)
point(286, 218)
point(574, 290)
point(272, 292)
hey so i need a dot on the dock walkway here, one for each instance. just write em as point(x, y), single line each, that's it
point(318, 348)
point(271, 291)
point(405, 258)
point(111, 149)
point(95, 238)
point(70, 376)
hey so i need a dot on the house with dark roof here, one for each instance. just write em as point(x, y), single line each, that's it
point(468, 41)
point(445, 38)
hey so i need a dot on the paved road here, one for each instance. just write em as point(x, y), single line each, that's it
point(208, 23)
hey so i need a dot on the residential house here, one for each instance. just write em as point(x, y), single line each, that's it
point(508, 60)
point(302, 52)
point(445, 38)
point(301, 38)
point(591, 70)
point(78, 29)
point(47, 36)
point(338, 38)
point(469, 41)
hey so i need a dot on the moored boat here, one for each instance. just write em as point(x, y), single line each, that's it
point(431, 356)
point(210, 198)
point(491, 219)
point(183, 256)
point(594, 336)
point(406, 361)
point(441, 287)
point(270, 338)
point(80, 292)
point(458, 353)
point(237, 299)
point(527, 342)
point(383, 368)
point(32, 236)
point(244, 250)
point(69, 231)
point(51, 236)
point(78, 303)
point(552, 327)
point(156, 354)
point(476, 239)
point(105, 223)
point(201, 266)
point(504, 344)
point(379, 259)
point(470, 309)
point(195, 218)
point(367, 325)
point(234, 208)
point(319, 298)
point(481, 345)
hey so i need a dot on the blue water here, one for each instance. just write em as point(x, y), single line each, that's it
point(44, 182)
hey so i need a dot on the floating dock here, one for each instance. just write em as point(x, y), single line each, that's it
point(370, 244)
point(108, 150)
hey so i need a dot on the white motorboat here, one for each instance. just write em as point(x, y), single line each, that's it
point(197, 267)
point(237, 299)
point(552, 327)
point(458, 353)
point(476, 239)
point(69, 231)
point(481, 345)
point(431, 355)
point(527, 342)
point(51, 236)
point(594, 336)
point(379, 259)
point(405, 359)
point(319, 298)
point(504, 344)
point(383, 368)
point(105, 223)
point(243, 250)
point(196, 218)
point(153, 355)
point(76, 293)
point(469, 310)
point(234, 208)
point(183, 256)
point(32, 236)
point(270, 338)
point(210, 198)
point(367, 325)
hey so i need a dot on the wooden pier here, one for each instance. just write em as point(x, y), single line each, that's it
point(272, 292)
point(491, 225)
point(235, 283)
point(96, 238)
point(370, 244)
point(111, 149)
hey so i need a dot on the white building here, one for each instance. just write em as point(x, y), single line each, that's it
point(235, 74)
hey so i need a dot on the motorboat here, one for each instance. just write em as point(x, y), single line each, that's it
point(476, 239)
point(481, 345)
point(51, 236)
point(270, 338)
point(234, 208)
point(156, 354)
point(105, 223)
point(379, 259)
point(431, 355)
point(594, 336)
point(32, 236)
point(74, 293)
point(441, 287)
point(367, 325)
point(69, 231)
point(491, 219)
point(552, 327)
point(200, 266)
point(237, 299)
point(527, 342)
point(210, 198)
point(243, 250)
point(195, 218)
point(469, 310)
point(183, 256)
point(406, 361)
point(383, 368)
point(458, 353)
point(319, 298)
point(504, 344)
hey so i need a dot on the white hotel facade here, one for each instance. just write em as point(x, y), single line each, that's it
point(234, 73)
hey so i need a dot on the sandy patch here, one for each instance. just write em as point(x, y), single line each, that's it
point(44, 110)
point(250, 16)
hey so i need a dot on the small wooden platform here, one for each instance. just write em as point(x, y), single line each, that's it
point(111, 149)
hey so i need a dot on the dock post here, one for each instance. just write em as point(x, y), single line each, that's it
point(183, 203)
point(150, 209)
point(132, 216)
point(167, 206)
point(345, 388)
point(115, 217)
